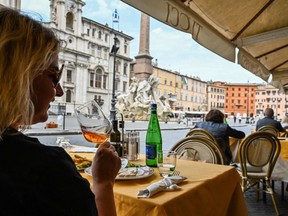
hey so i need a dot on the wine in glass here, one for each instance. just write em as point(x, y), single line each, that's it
point(94, 124)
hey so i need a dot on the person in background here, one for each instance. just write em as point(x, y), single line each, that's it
point(37, 179)
point(284, 122)
point(268, 120)
point(225, 119)
point(214, 123)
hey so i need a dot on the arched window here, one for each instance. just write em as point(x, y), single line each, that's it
point(98, 80)
point(69, 20)
point(68, 96)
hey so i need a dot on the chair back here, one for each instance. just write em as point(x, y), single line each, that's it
point(200, 149)
point(270, 129)
point(201, 133)
point(258, 150)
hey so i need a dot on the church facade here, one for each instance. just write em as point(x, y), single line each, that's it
point(86, 55)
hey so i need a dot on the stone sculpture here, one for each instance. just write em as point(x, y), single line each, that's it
point(141, 93)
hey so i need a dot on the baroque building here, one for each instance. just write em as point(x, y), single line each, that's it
point(216, 96)
point(86, 55)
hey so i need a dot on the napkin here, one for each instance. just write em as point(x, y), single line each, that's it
point(83, 149)
point(167, 184)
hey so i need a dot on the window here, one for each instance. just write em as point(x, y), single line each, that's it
point(104, 81)
point(165, 82)
point(176, 84)
point(69, 20)
point(99, 34)
point(88, 32)
point(105, 56)
point(117, 66)
point(98, 79)
point(106, 37)
point(93, 32)
point(99, 51)
point(69, 76)
point(125, 49)
point(91, 79)
point(124, 86)
point(68, 96)
point(171, 83)
point(125, 69)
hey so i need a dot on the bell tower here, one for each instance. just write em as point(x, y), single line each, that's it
point(66, 15)
point(15, 4)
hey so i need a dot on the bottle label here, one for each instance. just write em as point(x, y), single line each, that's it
point(150, 152)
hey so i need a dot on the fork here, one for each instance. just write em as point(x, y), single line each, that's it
point(176, 173)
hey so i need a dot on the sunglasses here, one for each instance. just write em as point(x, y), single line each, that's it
point(56, 75)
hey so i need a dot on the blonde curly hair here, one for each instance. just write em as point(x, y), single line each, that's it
point(27, 49)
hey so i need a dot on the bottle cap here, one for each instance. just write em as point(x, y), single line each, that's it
point(153, 105)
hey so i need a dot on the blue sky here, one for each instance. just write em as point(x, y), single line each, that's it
point(174, 50)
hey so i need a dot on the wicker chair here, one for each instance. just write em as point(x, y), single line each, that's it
point(202, 133)
point(270, 129)
point(203, 149)
point(258, 154)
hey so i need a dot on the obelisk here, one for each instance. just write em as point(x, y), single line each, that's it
point(143, 65)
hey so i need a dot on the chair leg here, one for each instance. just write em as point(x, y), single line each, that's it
point(270, 190)
point(264, 193)
point(282, 190)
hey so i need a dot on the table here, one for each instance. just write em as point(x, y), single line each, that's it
point(209, 190)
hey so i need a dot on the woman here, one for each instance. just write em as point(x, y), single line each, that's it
point(214, 124)
point(36, 179)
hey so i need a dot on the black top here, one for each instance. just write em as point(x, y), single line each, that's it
point(269, 121)
point(40, 180)
point(222, 132)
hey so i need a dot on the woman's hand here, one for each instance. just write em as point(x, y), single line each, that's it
point(105, 167)
point(106, 164)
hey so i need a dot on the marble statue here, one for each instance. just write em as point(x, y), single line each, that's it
point(141, 93)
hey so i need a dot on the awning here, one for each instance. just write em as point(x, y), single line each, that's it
point(259, 29)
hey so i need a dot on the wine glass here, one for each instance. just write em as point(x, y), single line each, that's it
point(94, 124)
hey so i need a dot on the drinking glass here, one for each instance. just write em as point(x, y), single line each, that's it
point(166, 162)
point(94, 124)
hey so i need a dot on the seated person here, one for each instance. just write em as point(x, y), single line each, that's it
point(268, 120)
point(214, 123)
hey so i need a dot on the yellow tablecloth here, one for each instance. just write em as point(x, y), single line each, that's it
point(284, 149)
point(209, 190)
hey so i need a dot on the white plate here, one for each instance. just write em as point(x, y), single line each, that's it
point(129, 173)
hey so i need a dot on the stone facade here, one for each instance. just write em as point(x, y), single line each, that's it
point(86, 54)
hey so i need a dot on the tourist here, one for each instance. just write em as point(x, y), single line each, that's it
point(37, 179)
point(214, 123)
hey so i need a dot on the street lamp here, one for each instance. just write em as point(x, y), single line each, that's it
point(114, 51)
point(247, 117)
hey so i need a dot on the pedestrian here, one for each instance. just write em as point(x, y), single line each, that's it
point(235, 119)
point(239, 119)
point(37, 179)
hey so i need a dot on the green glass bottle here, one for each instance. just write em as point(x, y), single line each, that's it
point(115, 137)
point(153, 138)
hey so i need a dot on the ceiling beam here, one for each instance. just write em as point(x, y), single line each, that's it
point(263, 37)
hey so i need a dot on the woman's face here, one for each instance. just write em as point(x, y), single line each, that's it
point(45, 88)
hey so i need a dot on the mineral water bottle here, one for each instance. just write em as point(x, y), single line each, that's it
point(153, 138)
